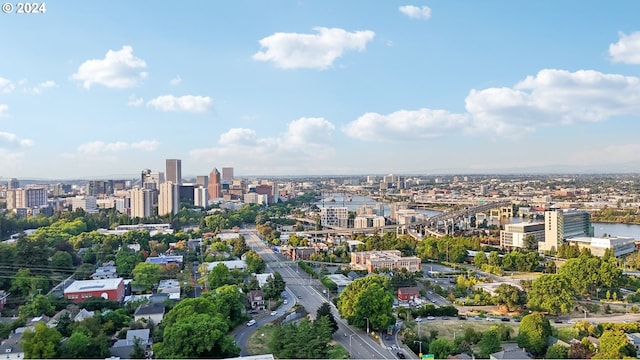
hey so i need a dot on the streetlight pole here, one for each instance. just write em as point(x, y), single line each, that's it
point(419, 342)
point(367, 324)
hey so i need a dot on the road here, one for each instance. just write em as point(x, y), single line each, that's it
point(305, 290)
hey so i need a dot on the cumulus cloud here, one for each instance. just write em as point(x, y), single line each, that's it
point(8, 139)
point(6, 86)
point(311, 51)
point(416, 12)
point(304, 142)
point(176, 81)
point(49, 84)
point(627, 49)
point(551, 97)
point(406, 125)
point(135, 101)
point(101, 147)
point(118, 69)
point(187, 103)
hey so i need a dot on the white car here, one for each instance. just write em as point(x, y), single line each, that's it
point(418, 319)
point(251, 322)
point(274, 313)
point(394, 347)
point(430, 318)
point(285, 302)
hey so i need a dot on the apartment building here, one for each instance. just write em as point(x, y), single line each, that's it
point(334, 216)
point(514, 235)
point(168, 199)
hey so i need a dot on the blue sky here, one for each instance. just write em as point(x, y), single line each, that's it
point(108, 88)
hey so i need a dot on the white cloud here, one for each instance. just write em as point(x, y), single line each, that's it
point(6, 86)
point(49, 84)
point(101, 147)
point(118, 69)
point(550, 98)
point(176, 81)
point(135, 101)
point(305, 142)
point(407, 125)
point(416, 12)
point(188, 103)
point(311, 51)
point(8, 139)
point(627, 49)
point(4, 110)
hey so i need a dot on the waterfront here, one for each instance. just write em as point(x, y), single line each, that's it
point(353, 202)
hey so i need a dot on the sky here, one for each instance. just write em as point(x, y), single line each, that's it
point(106, 88)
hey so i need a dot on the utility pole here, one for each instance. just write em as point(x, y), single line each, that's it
point(367, 325)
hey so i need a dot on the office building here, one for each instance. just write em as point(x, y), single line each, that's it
point(227, 175)
point(13, 184)
point(100, 187)
point(26, 198)
point(202, 180)
point(384, 260)
point(561, 224)
point(200, 196)
point(168, 199)
point(173, 171)
point(334, 216)
point(215, 186)
point(619, 246)
point(151, 179)
point(515, 235)
point(186, 192)
point(141, 202)
point(87, 203)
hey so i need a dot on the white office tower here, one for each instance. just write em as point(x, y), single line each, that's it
point(201, 196)
point(560, 225)
point(168, 199)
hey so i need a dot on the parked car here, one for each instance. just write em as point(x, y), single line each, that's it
point(418, 319)
point(505, 319)
point(251, 322)
point(431, 318)
point(274, 313)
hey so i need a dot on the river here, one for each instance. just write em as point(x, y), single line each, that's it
point(353, 202)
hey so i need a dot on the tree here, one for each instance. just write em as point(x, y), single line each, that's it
point(255, 264)
point(530, 242)
point(614, 345)
point(146, 275)
point(489, 343)
point(62, 261)
point(510, 296)
point(40, 343)
point(557, 351)
point(138, 349)
point(76, 347)
point(441, 348)
point(126, 261)
point(552, 293)
point(325, 310)
point(367, 298)
point(480, 259)
point(39, 305)
point(533, 333)
point(219, 276)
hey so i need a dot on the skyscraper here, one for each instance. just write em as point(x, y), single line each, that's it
point(227, 175)
point(173, 171)
point(141, 202)
point(215, 186)
point(202, 180)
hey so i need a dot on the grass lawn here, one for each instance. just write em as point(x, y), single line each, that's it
point(257, 344)
point(446, 328)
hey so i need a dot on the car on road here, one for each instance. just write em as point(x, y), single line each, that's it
point(571, 322)
point(285, 302)
point(299, 296)
point(394, 346)
point(251, 322)
point(274, 313)
point(418, 319)
point(400, 355)
point(430, 318)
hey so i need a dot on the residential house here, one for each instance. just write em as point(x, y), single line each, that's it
point(165, 260)
point(105, 272)
point(408, 293)
point(151, 312)
point(170, 287)
point(256, 299)
point(10, 348)
point(123, 348)
point(634, 339)
point(83, 314)
point(511, 354)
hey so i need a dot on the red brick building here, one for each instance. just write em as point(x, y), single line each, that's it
point(408, 293)
point(110, 289)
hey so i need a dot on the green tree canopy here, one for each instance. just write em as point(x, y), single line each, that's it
point(533, 333)
point(367, 298)
point(552, 293)
point(614, 345)
point(41, 343)
point(146, 275)
point(509, 296)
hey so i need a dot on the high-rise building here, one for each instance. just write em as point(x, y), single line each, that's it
point(151, 179)
point(173, 171)
point(168, 198)
point(200, 196)
point(141, 202)
point(215, 186)
point(561, 224)
point(227, 175)
point(100, 187)
point(13, 184)
point(202, 180)
point(334, 216)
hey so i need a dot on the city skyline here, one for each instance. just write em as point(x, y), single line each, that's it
point(293, 88)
